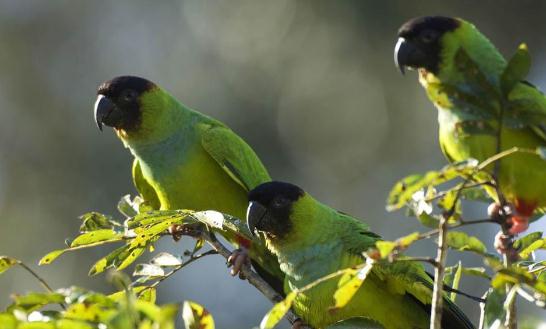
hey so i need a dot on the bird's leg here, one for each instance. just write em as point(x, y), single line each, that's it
point(299, 324)
point(510, 226)
point(238, 258)
point(191, 229)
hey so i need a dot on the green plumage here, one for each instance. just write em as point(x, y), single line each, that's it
point(470, 131)
point(187, 160)
point(320, 241)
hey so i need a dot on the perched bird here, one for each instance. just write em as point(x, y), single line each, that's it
point(312, 240)
point(185, 159)
point(469, 116)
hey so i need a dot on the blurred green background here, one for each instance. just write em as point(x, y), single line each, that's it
point(310, 85)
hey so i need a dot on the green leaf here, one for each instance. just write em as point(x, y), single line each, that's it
point(428, 220)
point(493, 311)
point(349, 284)
point(127, 207)
point(527, 240)
point(526, 252)
point(385, 247)
point(145, 219)
point(517, 69)
point(51, 256)
point(36, 300)
point(99, 235)
point(6, 262)
point(196, 316)
point(8, 321)
point(278, 311)
point(512, 275)
point(92, 221)
point(85, 312)
point(403, 192)
point(476, 193)
point(108, 261)
point(456, 281)
point(72, 324)
point(463, 242)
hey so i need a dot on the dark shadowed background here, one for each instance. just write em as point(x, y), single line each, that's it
point(310, 85)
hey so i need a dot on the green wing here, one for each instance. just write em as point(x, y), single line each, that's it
point(528, 106)
point(234, 156)
point(401, 277)
point(143, 187)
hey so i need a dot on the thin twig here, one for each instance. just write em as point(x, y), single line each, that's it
point(192, 259)
point(439, 271)
point(252, 278)
point(434, 232)
point(43, 282)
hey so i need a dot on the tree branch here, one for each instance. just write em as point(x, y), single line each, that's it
point(251, 276)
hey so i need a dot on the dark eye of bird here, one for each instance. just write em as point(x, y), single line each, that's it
point(428, 36)
point(128, 95)
point(280, 202)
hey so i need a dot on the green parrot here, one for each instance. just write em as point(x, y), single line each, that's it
point(312, 240)
point(431, 45)
point(185, 159)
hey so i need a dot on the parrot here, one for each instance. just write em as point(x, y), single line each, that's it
point(312, 240)
point(431, 45)
point(185, 160)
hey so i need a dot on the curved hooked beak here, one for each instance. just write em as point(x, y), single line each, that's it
point(254, 216)
point(103, 108)
point(406, 54)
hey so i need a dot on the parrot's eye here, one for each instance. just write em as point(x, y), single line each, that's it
point(128, 95)
point(280, 202)
point(428, 36)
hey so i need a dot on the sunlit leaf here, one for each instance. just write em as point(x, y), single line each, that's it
point(196, 316)
point(527, 251)
point(72, 324)
point(456, 280)
point(527, 240)
point(385, 247)
point(6, 262)
point(278, 311)
point(87, 312)
point(106, 262)
point(8, 321)
point(99, 235)
point(92, 221)
point(349, 284)
point(403, 192)
point(36, 300)
point(463, 242)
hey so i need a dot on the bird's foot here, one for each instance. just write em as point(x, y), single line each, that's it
point(238, 259)
point(299, 324)
point(506, 216)
point(504, 245)
point(179, 230)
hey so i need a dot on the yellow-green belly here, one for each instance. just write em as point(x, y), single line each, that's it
point(197, 183)
point(522, 177)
